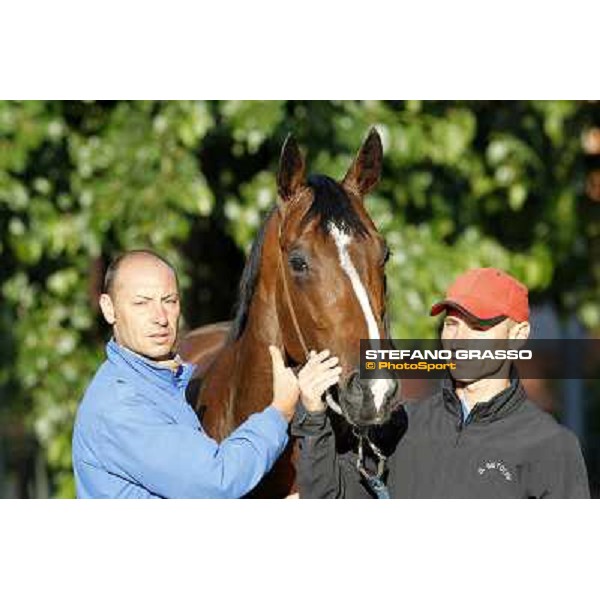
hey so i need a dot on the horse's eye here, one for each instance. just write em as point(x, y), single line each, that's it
point(298, 264)
point(386, 254)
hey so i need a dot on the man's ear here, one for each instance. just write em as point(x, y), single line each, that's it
point(108, 309)
point(520, 331)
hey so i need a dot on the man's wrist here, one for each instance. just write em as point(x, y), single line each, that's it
point(313, 406)
point(285, 409)
point(285, 415)
point(309, 423)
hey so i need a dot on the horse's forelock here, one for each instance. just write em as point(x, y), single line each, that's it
point(333, 207)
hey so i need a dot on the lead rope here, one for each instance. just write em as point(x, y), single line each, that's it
point(373, 481)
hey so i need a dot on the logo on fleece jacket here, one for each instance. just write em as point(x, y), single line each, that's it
point(496, 465)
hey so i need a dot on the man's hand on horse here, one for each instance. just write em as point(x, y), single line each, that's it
point(318, 374)
point(285, 385)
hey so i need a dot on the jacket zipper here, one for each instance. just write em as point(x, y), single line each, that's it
point(458, 435)
point(462, 426)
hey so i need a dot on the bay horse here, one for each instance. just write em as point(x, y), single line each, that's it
point(314, 279)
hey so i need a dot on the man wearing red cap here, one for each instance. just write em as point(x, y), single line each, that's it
point(478, 437)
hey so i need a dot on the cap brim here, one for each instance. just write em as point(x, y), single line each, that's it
point(440, 307)
point(485, 322)
point(437, 308)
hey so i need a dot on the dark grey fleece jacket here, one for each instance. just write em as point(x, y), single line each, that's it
point(507, 448)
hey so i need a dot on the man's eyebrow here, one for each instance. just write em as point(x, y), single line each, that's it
point(171, 295)
point(143, 297)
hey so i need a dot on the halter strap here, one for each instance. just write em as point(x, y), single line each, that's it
point(288, 301)
point(286, 291)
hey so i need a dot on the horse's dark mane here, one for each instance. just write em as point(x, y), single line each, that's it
point(331, 205)
point(248, 282)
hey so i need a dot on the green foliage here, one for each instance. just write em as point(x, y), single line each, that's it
point(465, 184)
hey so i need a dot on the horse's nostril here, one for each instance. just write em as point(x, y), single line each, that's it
point(354, 382)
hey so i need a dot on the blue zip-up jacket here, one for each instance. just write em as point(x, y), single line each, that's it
point(136, 436)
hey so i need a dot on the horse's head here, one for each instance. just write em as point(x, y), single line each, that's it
point(331, 289)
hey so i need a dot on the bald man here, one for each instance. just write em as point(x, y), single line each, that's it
point(135, 435)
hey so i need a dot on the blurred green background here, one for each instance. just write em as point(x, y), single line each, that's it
point(514, 185)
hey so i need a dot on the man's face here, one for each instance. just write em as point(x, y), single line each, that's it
point(144, 307)
point(457, 326)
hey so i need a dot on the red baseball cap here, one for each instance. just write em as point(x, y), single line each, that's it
point(486, 294)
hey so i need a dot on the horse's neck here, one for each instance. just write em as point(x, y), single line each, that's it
point(252, 385)
point(253, 381)
point(240, 381)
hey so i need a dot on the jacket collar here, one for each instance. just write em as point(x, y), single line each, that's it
point(149, 370)
point(494, 409)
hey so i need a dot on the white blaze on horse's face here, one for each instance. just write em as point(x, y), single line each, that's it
point(379, 387)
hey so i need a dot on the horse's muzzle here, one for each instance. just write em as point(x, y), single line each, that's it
point(368, 401)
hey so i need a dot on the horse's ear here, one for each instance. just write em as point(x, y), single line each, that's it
point(363, 174)
point(291, 174)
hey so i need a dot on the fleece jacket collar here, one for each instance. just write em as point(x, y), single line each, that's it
point(153, 373)
point(502, 404)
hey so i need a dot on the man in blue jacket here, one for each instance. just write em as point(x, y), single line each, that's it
point(136, 436)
